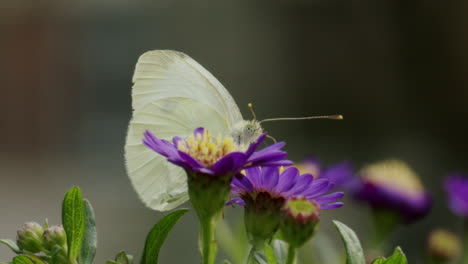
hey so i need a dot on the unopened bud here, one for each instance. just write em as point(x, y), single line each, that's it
point(299, 220)
point(444, 245)
point(55, 235)
point(29, 237)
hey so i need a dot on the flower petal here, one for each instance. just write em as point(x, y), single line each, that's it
point(329, 198)
point(331, 206)
point(231, 163)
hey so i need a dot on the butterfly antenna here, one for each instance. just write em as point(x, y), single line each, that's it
point(252, 111)
point(333, 117)
point(272, 138)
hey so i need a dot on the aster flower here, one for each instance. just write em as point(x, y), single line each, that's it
point(339, 174)
point(263, 192)
point(393, 186)
point(200, 153)
point(456, 186)
point(210, 165)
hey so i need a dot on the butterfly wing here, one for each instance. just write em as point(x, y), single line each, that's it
point(172, 96)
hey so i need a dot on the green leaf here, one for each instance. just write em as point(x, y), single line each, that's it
point(233, 242)
point(226, 261)
point(157, 236)
point(11, 244)
point(21, 259)
point(398, 257)
point(111, 262)
point(281, 250)
point(35, 259)
point(270, 255)
point(123, 258)
point(88, 247)
point(73, 218)
point(354, 253)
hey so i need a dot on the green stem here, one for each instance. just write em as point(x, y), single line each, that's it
point(385, 223)
point(291, 255)
point(256, 248)
point(207, 242)
point(465, 243)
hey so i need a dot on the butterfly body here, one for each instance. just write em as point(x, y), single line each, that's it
point(245, 132)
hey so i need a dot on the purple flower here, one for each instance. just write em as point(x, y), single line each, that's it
point(392, 185)
point(201, 153)
point(263, 192)
point(283, 185)
point(456, 186)
point(339, 174)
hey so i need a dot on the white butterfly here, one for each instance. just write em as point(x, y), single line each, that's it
point(172, 96)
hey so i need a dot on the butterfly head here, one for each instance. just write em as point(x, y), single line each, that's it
point(246, 132)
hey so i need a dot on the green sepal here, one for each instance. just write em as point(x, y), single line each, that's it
point(123, 258)
point(270, 255)
point(398, 257)
point(73, 218)
point(22, 259)
point(88, 247)
point(11, 244)
point(35, 259)
point(158, 235)
point(354, 252)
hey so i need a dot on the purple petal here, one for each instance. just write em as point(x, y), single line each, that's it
point(189, 160)
point(254, 146)
point(278, 163)
point(160, 146)
point(331, 206)
point(322, 191)
point(316, 186)
point(254, 174)
point(236, 200)
point(231, 163)
point(287, 179)
point(199, 130)
point(329, 198)
point(266, 151)
point(243, 183)
point(270, 177)
point(338, 174)
point(176, 140)
point(301, 185)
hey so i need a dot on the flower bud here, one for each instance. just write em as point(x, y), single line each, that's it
point(55, 235)
point(262, 216)
point(444, 245)
point(29, 237)
point(299, 220)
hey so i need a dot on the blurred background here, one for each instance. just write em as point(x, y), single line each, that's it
point(397, 70)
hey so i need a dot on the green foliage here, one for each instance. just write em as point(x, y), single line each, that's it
point(398, 257)
point(88, 247)
point(73, 218)
point(233, 242)
point(121, 258)
point(354, 252)
point(11, 244)
point(158, 234)
point(21, 259)
point(270, 255)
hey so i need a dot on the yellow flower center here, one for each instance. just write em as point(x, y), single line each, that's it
point(205, 149)
point(394, 173)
